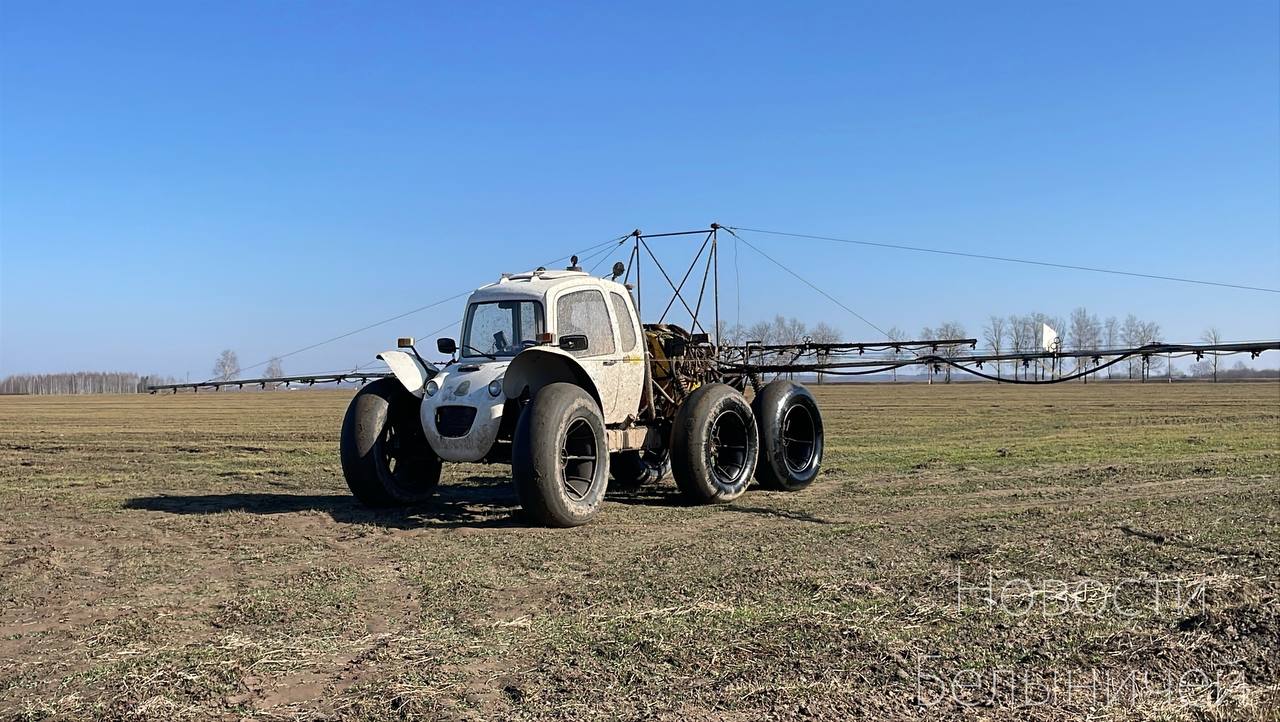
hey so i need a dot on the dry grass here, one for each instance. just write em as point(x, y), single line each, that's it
point(192, 557)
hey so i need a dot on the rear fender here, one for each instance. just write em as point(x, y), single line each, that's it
point(408, 370)
point(538, 366)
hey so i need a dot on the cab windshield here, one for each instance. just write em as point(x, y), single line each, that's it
point(501, 328)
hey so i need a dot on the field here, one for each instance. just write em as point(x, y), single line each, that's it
point(970, 551)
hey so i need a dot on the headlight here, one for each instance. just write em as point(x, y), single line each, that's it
point(432, 387)
point(495, 388)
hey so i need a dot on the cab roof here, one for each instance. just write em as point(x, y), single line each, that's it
point(537, 284)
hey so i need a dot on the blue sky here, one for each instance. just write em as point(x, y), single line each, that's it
point(179, 178)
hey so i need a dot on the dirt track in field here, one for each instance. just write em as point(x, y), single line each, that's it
point(969, 551)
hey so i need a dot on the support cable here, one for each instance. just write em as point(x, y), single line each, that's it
point(339, 337)
point(428, 334)
point(605, 254)
point(1005, 259)
point(805, 281)
point(356, 331)
point(737, 285)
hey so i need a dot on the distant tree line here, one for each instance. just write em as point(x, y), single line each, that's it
point(1082, 331)
point(80, 382)
point(225, 368)
point(1012, 334)
point(1206, 369)
point(779, 331)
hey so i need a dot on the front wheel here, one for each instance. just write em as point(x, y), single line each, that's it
point(385, 456)
point(714, 445)
point(790, 436)
point(560, 456)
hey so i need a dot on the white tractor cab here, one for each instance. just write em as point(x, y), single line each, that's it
point(551, 374)
point(512, 347)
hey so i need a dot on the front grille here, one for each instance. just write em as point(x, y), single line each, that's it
point(455, 421)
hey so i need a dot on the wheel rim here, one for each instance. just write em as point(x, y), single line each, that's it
point(799, 438)
point(402, 452)
point(393, 451)
point(727, 447)
point(579, 458)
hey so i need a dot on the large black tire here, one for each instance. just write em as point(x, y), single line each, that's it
point(714, 445)
point(791, 436)
point(386, 458)
point(631, 470)
point(560, 456)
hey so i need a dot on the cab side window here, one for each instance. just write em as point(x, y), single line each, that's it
point(583, 312)
point(626, 326)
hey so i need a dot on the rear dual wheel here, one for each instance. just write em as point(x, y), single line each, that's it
point(720, 441)
point(791, 436)
point(714, 445)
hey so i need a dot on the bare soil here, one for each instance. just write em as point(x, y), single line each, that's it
point(970, 551)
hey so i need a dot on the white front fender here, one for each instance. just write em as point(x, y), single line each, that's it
point(408, 369)
point(538, 366)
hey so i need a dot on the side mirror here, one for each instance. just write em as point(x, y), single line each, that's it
point(404, 342)
point(446, 346)
point(573, 342)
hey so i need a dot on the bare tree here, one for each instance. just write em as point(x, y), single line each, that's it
point(823, 333)
point(1212, 336)
point(1019, 338)
point(896, 335)
point(1029, 335)
point(1111, 336)
point(227, 366)
point(274, 369)
point(1083, 334)
point(950, 329)
point(1034, 332)
point(994, 335)
point(735, 335)
point(1131, 336)
point(1151, 334)
point(1202, 369)
point(789, 331)
point(781, 330)
point(759, 333)
point(1136, 333)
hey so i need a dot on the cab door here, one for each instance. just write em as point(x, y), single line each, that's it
point(586, 311)
point(631, 353)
